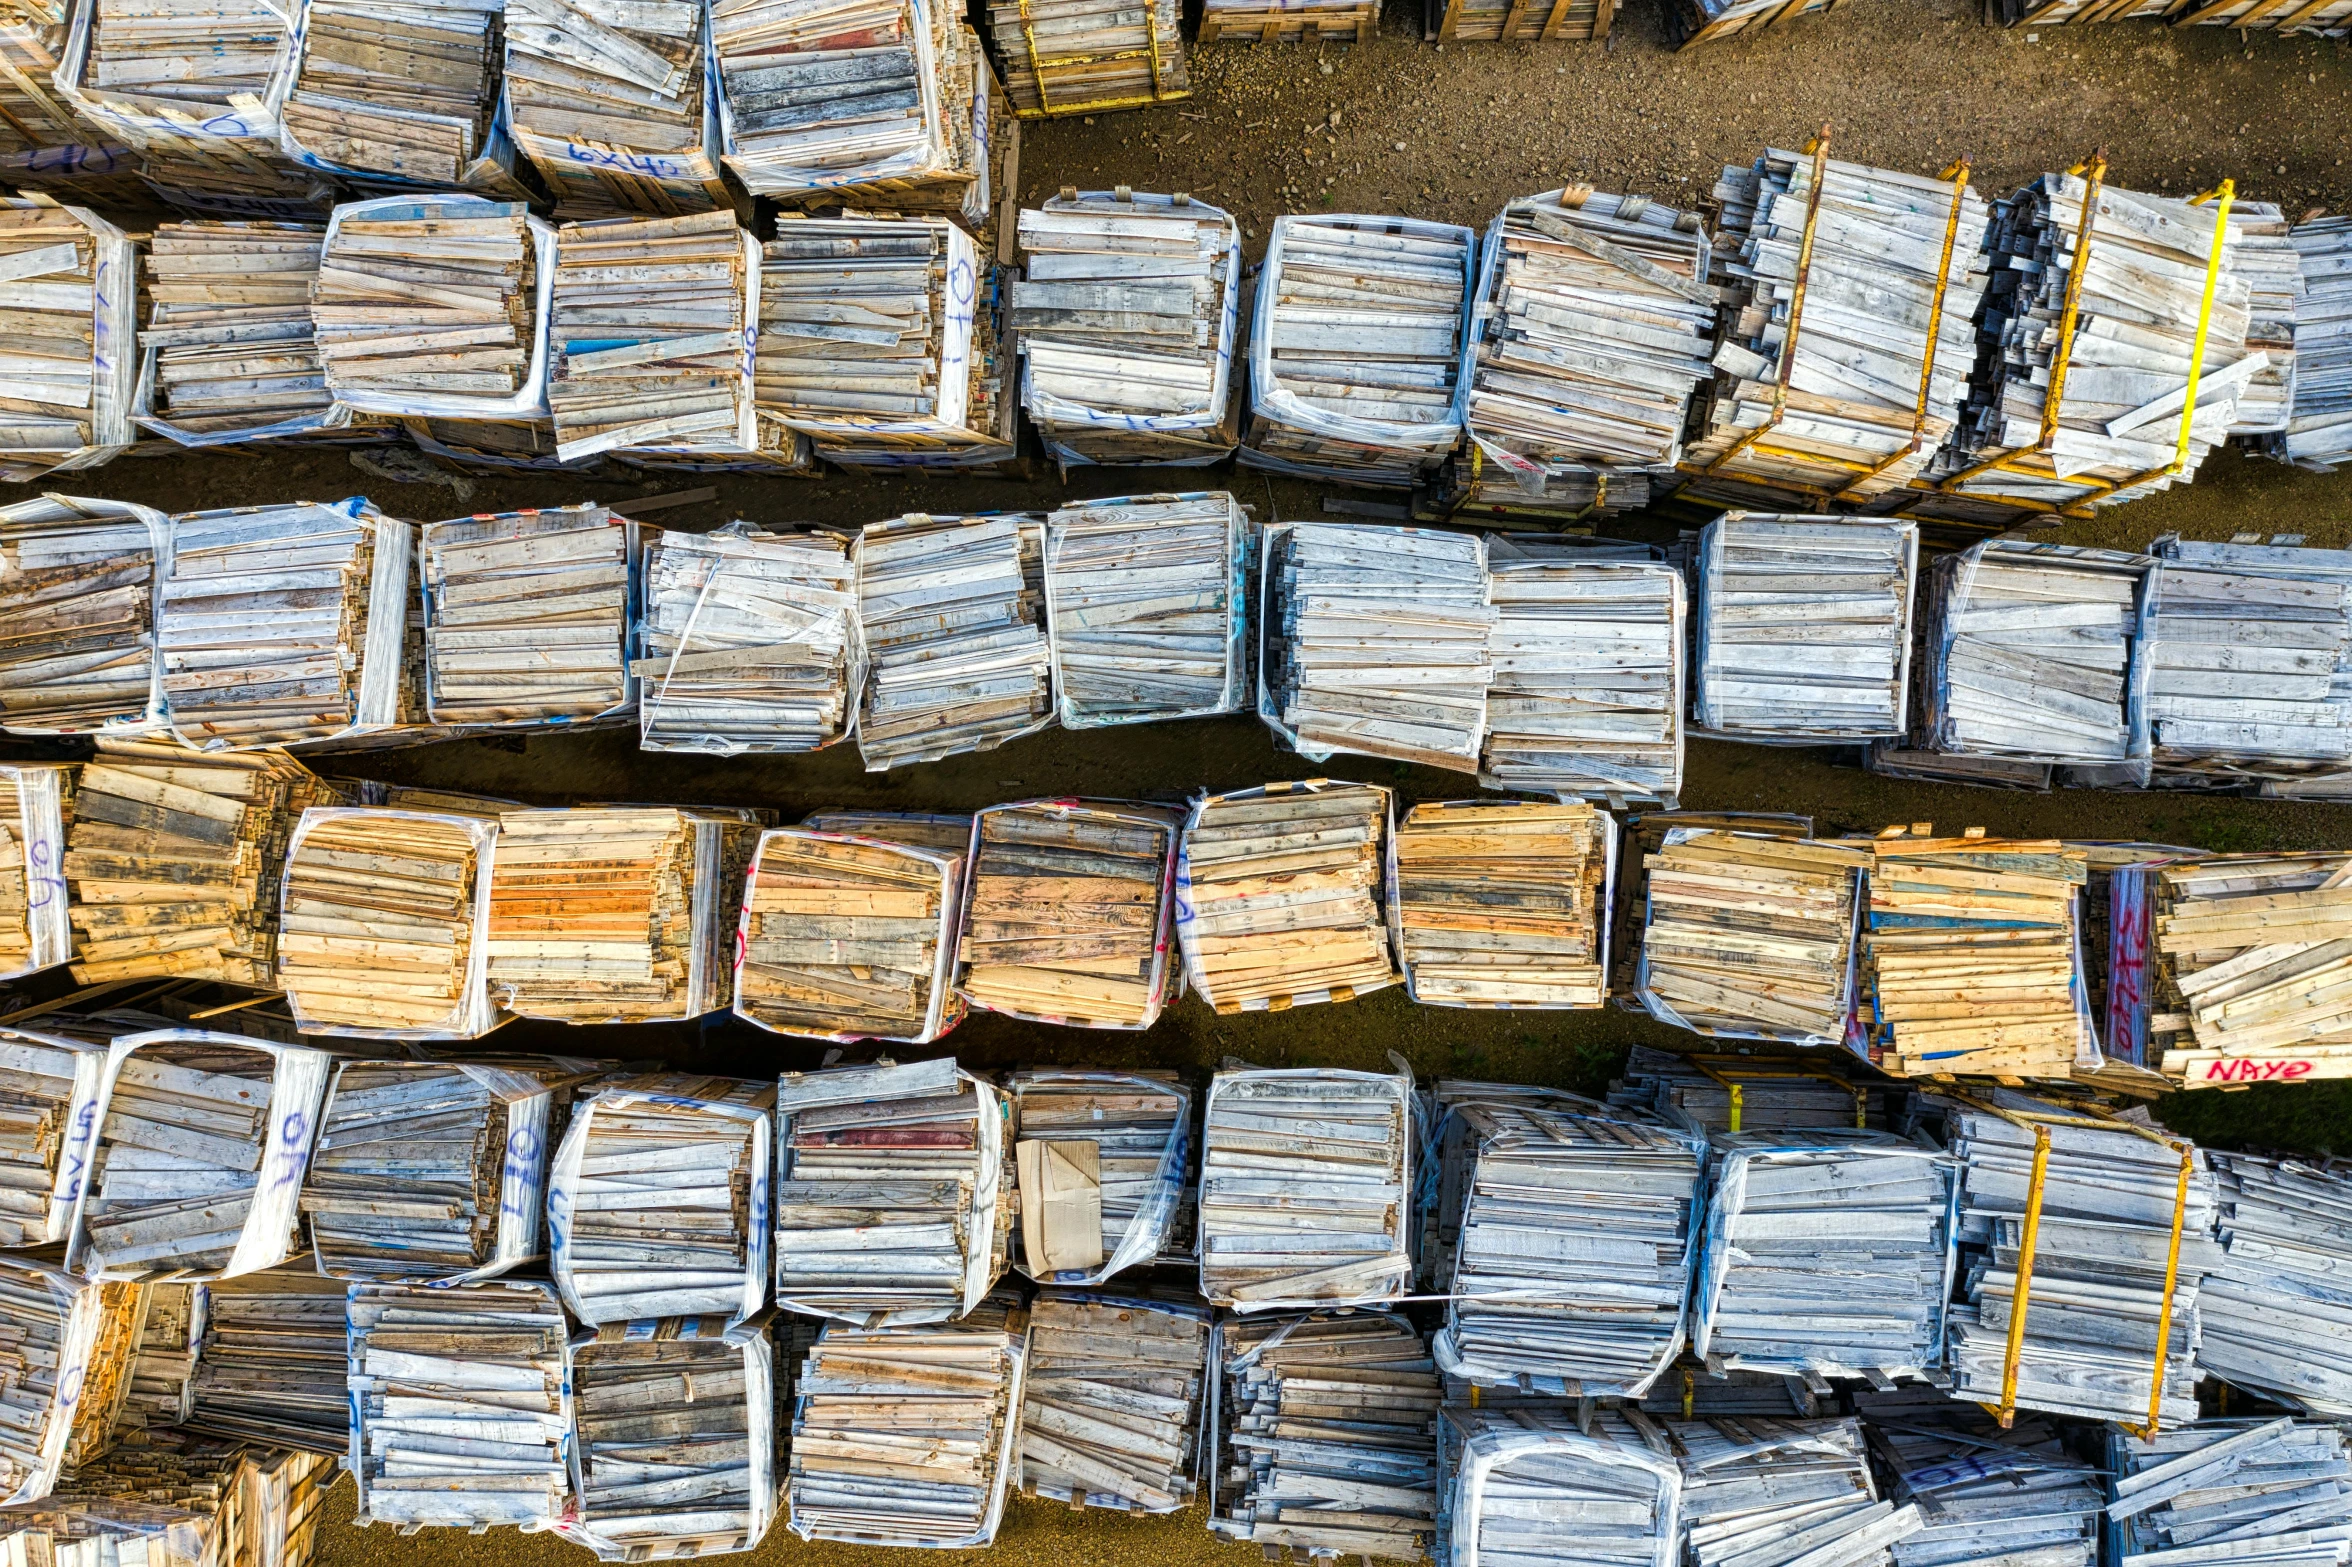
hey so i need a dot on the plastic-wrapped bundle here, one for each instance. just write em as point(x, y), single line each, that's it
point(1775, 1493)
point(527, 617)
point(35, 805)
point(674, 1438)
point(1147, 607)
point(910, 1435)
point(893, 1204)
point(957, 654)
point(71, 1342)
point(657, 1201)
point(815, 102)
point(749, 642)
point(488, 1362)
point(1825, 1254)
point(1991, 1497)
point(2244, 952)
point(2069, 1277)
point(1449, 1161)
point(1744, 1093)
point(273, 1360)
point(170, 1498)
point(1125, 315)
point(228, 354)
point(48, 1099)
point(1375, 642)
point(1849, 324)
point(1067, 910)
point(848, 934)
point(79, 588)
point(162, 1358)
point(2319, 422)
point(1103, 1159)
point(1586, 693)
point(1577, 1236)
point(1306, 1183)
point(2230, 1490)
point(1503, 903)
point(1356, 348)
point(611, 105)
point(1110, 1413)
point(1803, 628)
point(73, 312)
point(397, 96)
point(1594, 321)
point(386, 922)
point(2029, 653)
point(2277, 1308)
point(1320, 1435)
point(1084, 56)
point(1535, 1488)
point(2247, 650)
point(196, 1171)
point(44, 144)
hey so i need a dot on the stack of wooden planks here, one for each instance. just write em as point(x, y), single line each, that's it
point(162, 1359)
point(2273, 1312)
point(430, 306)
point(73, 1341)
point(1269, 21)
point(194, 58)
point(1085, 56)
point(821, 99)
point(48, 1086)
point(1098, 1145)
point(1376, 642)
point(1694, 22)
point(1804, 628)
point(1323, 1441)
point(956, 650)
point(2319, 421)
point(228, 353)
point(2262, 253)
point(1278, 895)
point(383, 911)
point(173, 860)
point(851, 936)
point(749, 642)
point(44, 144)
point(1749, 936)
point(2263, 1484)
point(489, 1355)
point(1146, 606)
point(1973, 960)
point(1125, 316)
point(1504, 903)
point(1730, 1093)
point(1585, 698)
point(2250, 958)
point(69, 380)
point(527, 616)
point(78, 581)
point(1305, 1189)
point(647, 324)
point(657, 1201)
point(1646, 833)
point(210, 1500)
point(1593, 320)
point(1111, 1404)
point(1507, 1475)
point(36, 803)
point(1848, 328)
point(611, 106)
point(1772, 1493)
point(1990, 1494)
point(674, 1431)
point(909, 1436)
point(1066, 912)
point(406, 93)
point(1355, 350)
point(273, 1361)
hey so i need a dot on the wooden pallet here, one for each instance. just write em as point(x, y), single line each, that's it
point(1290, 24)
point(1520, 21)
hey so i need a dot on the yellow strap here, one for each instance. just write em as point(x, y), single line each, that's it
point(1690, 1391)
point(1475, 1399)
point(2022, 1295)
point(2094, 179)
point(2227, 191)
point(1819, 149)
point(2180, 1210)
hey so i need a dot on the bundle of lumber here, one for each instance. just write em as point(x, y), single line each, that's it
point(70, 378)
point(1304, 1195)
point(48, 1088)
point(1592, 325)
point(893, 1203)
point(1773, 1493)
point(674, 1430)
point(956, 650)
point(1507, 1476)
point(1125, 316)
point(1647, 833)
point(611, 107)
point(493, 1355)
point(645, 337)
point(1375, 642)
point(1103, 1159)
point(78, 590)
point(161, 1360)
point(1324, 1435)
point(400, 95)
point(1279, 893)
point(910, 1436)
point(1990, 1494)
point(1147, 606)
point(174, 1496)
point(272, 1363)
point(173, 860)
point(36, 803)
point(382, 920)
point(749, 642)
point(1585, 698)
point(44, 144)
point(1085, 56)
point(1848, 327)
point(1972, 960)
point(434, 306)
point(1720, 1093)
point(73, 1341)
point(1355, 350)
point(2247, 961)
point(817, 100)
point(1504, 903)
point(527, 617)
point(1066, 912)
point(228, 353)
point(2243, 1490)
point(1803, 627)
point(657, 1200)
point(2273, 1310)
point(2319, 421)
point(1748, 936)
point(1452, 1157)
point(197, 1165)
point(1111, 1405)
point(849, 933)
point(2103, 307)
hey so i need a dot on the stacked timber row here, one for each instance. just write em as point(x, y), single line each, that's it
point(1147, 608)
point(1507, 1476)
point(2247, 954)
point(400, 101)
point(529, 617)
point(273, 1361)
point(1770, 1493)
point(1694, 22)
point(2319, 420)
point(1503, 904)
point(228, 353)
point(2273, 1310)
point(79, 587)
point(1104, 1161)
point(953, 617)
point(1520, 21)
point(1111, 1412)
point(71, 380)
point(1261, 22)
point(611, 106)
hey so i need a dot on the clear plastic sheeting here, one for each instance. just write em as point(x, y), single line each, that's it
point(75, 1340)
point(1147, 608)
point(1531, 1487)
point(35, 932)
point(81, 587)
point(1132, 1133)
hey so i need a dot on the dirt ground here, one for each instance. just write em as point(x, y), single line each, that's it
point(1397, 125)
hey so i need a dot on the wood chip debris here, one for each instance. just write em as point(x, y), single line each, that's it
point(72, 305)
point(527, 616)
point(1750, 936)
point(957, 655)
point(2273, 1313)
point(228, 353)
point(406, 92)
point(1509, 1479)
point(1148, 608)
point(1122, 1144)
point(431, 306)
point(36, 929)
point(2250, 954)
point(1110, 1413)
point(78, 592)
point(1503, 903)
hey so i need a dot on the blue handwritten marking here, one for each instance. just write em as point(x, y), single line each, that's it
point(293, 1136)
